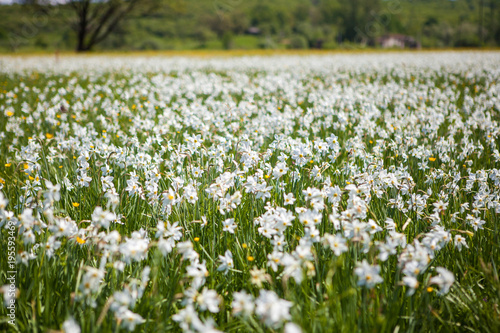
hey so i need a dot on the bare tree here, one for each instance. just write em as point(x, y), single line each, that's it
point(95, 20)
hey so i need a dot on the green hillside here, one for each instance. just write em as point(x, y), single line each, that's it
point(279, 24)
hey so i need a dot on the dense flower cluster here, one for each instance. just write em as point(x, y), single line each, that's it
point(249, 175)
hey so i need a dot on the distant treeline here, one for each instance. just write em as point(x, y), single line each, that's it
point(251, 24)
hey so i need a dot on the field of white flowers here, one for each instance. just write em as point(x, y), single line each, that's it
point(322, 193)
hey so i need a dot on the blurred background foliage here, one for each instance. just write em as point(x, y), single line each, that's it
point(263, 24)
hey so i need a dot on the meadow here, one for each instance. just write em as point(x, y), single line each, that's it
point(286, 193)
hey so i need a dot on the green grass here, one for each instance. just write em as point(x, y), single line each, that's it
point(328, 297)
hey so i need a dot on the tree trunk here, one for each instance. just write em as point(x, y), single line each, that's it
point(82, 11)
point(81, 37)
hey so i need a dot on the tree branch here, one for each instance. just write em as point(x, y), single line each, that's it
point(96, 38)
